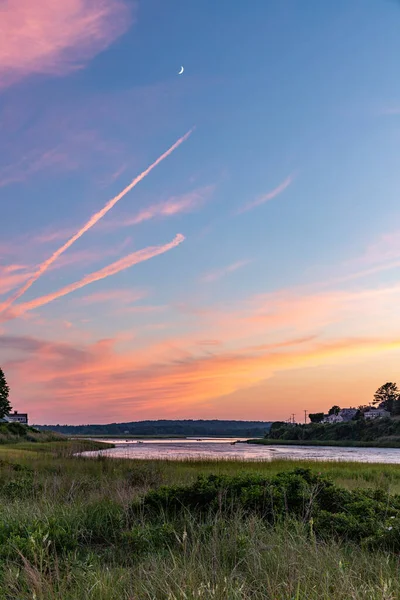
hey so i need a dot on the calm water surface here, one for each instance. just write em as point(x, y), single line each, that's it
point(222, 449)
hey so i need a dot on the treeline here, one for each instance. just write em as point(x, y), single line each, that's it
point(360, 430)
point(169, 427)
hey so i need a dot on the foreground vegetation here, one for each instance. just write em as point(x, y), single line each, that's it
point(107, 529)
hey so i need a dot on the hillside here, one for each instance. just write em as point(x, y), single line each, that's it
point(182, 428)
point(14, 433)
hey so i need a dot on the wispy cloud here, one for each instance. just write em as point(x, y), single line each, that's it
point(90, 223)
point(120, 296)
point(116, 267)
point(219, 273)
point(12, 276)
point(173, 206)
point(269, 196)
point(57, 36)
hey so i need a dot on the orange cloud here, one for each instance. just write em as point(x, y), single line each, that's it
point(116, 267)
point(96, 379)
point(90, 223)
point(269, 196)
point(53, 36)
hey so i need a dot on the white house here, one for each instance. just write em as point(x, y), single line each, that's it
point(332, 419)
point(346, 414)
point(16, 417)
point(376, 413)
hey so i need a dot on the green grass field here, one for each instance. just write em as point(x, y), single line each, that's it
point(67, 532)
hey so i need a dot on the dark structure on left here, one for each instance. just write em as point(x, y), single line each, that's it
point(16, 417)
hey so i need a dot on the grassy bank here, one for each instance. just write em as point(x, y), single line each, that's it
point(338, 443)
point(72, 528)
point(13, 433)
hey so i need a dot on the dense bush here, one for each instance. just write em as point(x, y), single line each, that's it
point(367, 516)
point(358, 430)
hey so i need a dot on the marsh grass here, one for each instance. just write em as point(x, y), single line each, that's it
point(67, 531)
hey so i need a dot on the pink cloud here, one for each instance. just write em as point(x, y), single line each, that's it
point(12, 276)
point(54, 36)
point(116, 267)
point(218, 274)
point(269, 196)
point(95, 218)
point(183, 203)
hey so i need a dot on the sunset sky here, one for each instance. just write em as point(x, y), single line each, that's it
point(223, 243)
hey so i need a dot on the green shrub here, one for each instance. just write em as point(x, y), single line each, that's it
point(367, 516)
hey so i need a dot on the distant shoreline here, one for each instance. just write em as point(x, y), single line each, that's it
point(157, 437)
point(337, 443)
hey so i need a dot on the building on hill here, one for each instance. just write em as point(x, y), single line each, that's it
point(376, 413)
point(348, 414)
point(332, 419)
point(17, 417)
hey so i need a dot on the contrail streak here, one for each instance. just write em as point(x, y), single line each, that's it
point(120, 265)
point(269, 196)
point(92, 221)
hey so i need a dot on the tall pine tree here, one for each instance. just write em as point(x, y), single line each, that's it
point(5, 406)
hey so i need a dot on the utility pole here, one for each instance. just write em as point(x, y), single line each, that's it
point(293, 418)
point(305, 417)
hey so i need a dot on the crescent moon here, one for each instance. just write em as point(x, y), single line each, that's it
point(181, 71)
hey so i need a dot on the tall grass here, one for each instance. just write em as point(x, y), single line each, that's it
point(68, 532)
point(242, 559)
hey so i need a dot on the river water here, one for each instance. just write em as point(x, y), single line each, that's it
point(223, 449)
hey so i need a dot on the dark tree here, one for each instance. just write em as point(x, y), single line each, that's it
point(335, 410)
point(5, 406)
point(387, 397)
point(316, 417)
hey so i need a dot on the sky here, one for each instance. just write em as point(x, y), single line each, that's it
point(223, 243)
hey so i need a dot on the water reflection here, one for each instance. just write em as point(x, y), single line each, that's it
point(226, 449)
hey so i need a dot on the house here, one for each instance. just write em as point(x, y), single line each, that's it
point(376, 413)
point(17, 417)
point(348, 414)
point(332, 419)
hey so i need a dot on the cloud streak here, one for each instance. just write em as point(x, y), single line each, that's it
point(172, 206)
point(53, 37)
point(12, 276)
point(218, 274)
point(116, 267)
point(90, 223)
point(269, 196)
